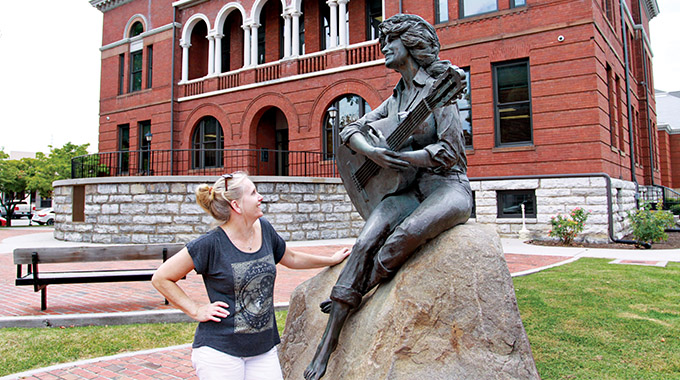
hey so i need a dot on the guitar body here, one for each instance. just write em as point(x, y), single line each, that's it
point(385, 182)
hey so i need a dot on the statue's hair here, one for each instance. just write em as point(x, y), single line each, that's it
point(419, 37)
point(216, 199)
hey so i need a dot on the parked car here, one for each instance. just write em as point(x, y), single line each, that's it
point(23, 209)
point(3, 222)
point(44, 216)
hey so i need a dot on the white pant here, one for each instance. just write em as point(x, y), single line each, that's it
point(211, 364)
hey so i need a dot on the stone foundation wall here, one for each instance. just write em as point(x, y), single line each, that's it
point(163, 209)
point(559, 195)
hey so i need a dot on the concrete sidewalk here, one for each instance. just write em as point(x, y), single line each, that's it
point(139, 302)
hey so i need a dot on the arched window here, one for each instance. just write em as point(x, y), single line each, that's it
point(341, 112)
point(136, 29)
point(207, 144)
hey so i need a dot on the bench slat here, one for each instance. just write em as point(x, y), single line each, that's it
point(96, 253)
point(46, 278)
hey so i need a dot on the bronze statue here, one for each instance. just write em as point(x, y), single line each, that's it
point(404, 167)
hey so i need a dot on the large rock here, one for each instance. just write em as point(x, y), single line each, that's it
point(450, 313)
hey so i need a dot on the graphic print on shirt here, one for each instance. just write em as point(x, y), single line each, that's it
point(254, 287)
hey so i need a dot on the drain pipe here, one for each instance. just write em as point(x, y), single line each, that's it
point(608, 180)
point(645, 43)
point(172, 92)
point(626, 66)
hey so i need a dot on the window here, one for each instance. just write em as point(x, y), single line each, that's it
point(301, 22)
point(149, 66)
point(512, 100)
point(465, 110)
point(474, 7)
point(136, 60)
point(207, 143)
point(124, 148)
point(510, 203)
point(441, 11)
point(619, 112)
point(373, 18)
point(261, 40)
point(136, 29)
point(348, 109)
point(121, 74)
point(609, 10)
point(612, 105)
point(144, 128)
point(517, 3)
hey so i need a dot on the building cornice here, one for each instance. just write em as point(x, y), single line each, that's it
point(651, 7)
point(107, 5)
point(186, 3)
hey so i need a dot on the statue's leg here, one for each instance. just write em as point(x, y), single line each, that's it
point(446, 206)
point(347, 292)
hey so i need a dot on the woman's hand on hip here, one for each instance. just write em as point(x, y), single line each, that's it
point(212, 312)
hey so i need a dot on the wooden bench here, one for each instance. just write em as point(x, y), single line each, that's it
point(33, 257)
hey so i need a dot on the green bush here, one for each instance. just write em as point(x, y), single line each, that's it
point(675, 209)
point(567, 227)
point(649, 225)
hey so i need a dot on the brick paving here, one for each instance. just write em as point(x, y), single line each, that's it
point(172, 363)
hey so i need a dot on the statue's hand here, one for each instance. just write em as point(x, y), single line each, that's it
point(388, 159)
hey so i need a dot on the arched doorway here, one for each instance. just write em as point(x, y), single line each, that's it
point(272, 142)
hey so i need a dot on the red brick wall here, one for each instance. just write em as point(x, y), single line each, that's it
point(570, 111)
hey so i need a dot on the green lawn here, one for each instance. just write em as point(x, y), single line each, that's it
point(585, 320)
point(594, 320)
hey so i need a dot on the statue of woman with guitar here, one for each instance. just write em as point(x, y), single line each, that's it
point(404, 167)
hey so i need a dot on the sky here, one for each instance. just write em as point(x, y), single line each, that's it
point(50, 70)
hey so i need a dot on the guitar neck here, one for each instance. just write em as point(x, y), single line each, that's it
point(403, 131)
point(406, 128)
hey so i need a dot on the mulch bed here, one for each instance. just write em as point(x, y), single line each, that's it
point(672, 243)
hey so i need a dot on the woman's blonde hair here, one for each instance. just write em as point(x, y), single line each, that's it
point(216, 199)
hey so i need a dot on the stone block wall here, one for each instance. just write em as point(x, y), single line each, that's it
point(559, 196)
point(163, 209)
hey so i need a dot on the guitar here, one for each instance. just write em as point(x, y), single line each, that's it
point(366, 182)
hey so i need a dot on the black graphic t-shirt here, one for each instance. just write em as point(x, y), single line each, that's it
point(245, 281)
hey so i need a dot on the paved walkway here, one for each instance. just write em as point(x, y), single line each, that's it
point(128, 301)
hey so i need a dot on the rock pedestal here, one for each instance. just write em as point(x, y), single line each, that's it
point(449, 313)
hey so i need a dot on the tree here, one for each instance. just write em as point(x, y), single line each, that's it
point(54, 167)
point(19, 177)
point(12, 183)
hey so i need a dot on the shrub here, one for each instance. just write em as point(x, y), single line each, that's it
point(675, 209)
point(567, 227)
point(649, 225)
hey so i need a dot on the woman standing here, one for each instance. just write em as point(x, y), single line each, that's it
point(237, 334)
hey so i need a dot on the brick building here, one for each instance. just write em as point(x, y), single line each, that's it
point(549, 94)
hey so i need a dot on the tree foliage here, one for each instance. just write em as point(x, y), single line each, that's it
point(21, 177)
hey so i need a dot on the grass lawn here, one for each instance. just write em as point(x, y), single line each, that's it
point(594, 320)
point(585, 320)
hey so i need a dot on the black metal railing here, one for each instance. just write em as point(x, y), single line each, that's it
point(203, 162)
point(657, 193)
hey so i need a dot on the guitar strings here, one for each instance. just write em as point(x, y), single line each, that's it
point(369, 168)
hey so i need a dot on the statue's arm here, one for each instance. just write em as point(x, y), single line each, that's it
point(440, 153)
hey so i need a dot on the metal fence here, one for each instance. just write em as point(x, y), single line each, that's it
point(657, 193)
point(203, 162)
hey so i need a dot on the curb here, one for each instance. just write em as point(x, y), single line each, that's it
point(102, 319)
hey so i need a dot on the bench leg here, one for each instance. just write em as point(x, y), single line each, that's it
point(43, 298)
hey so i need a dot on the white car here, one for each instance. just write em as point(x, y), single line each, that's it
point(44, 216)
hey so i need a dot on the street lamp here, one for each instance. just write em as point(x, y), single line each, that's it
point(148, 136)
point(332, 114)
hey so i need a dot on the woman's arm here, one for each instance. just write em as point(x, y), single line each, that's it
point(300, 260)
point(165, 281)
